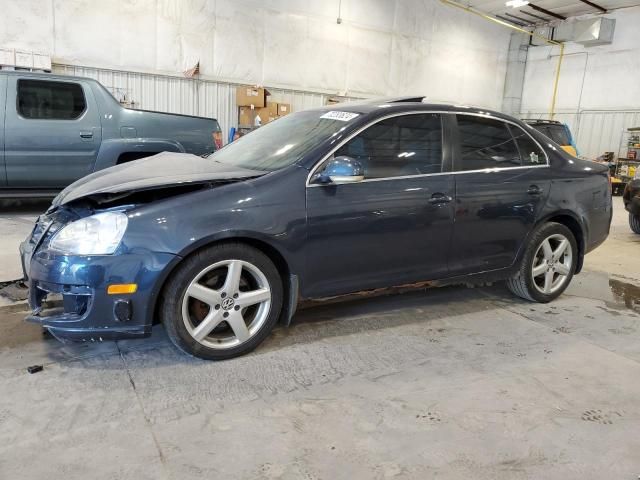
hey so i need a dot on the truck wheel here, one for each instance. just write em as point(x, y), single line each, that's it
point(222, 302)
point(634, 223)
point(548, 264)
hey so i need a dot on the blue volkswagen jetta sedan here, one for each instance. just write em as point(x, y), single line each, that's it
point(316, 204)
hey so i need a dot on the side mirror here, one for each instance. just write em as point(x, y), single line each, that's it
point(341, 169)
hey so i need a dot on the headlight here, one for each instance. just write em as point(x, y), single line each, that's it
point(98, 234)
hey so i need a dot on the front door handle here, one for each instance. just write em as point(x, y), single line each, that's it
point(534, 190)
point(439, 199)
point(86, 134)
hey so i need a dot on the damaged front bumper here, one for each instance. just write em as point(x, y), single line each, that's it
point(82, 315)
point(86, 311)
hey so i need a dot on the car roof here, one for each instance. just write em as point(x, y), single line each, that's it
point(412, 103)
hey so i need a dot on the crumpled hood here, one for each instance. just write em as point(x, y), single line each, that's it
point(162, 170)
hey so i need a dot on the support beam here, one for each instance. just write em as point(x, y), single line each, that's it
point(515, 22)
point(534, 16)
point(546, 12)
point(594, 5)
point(519, 19)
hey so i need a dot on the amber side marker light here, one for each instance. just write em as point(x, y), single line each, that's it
point(121, 288)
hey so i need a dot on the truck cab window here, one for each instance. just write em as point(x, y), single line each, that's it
point(46, 100)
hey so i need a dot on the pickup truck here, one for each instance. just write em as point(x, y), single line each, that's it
point(56, 129)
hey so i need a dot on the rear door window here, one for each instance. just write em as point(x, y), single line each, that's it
point(485, 143)
point(399, 146)
point(47, 100)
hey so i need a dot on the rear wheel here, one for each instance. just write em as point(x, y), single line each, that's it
point(634, 223)
point(222, 302)
point(548, 264)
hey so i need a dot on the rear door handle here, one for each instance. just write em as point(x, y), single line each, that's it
point(86, 134)
point(534, 190)
point(439, 199)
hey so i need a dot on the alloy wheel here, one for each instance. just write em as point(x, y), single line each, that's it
point(552, 264)
point(226, 304)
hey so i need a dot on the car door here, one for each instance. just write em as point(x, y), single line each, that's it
point(52, 132)
point(502, 181)
point(3, 97)
point(394, 226)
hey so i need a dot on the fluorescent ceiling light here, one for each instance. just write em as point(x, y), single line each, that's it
point(516, 3)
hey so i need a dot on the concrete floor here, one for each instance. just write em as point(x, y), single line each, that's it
point(449, 383)
point(16, 222)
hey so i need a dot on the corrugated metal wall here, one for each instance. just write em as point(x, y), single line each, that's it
point(188, 96)
point(596, 131)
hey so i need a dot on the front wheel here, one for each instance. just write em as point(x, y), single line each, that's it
point(222, 301)
point(548, 264)
point(634, 223)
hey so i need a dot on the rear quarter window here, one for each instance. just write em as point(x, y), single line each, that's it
point(530, 151)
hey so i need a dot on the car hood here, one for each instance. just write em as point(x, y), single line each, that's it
point(167, 169)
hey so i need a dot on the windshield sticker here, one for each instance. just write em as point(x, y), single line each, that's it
point(342, 116)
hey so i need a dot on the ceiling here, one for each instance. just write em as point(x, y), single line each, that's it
point(564, 8)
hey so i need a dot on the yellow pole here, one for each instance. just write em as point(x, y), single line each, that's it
point(556, 81)
point(521, 30)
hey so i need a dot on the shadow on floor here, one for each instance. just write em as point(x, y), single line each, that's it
point(24, 206)
point(311, 324)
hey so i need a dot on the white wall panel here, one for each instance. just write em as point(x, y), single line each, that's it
point(369, 51)
point(239, 42)
point(382, 47)
point(26, 25)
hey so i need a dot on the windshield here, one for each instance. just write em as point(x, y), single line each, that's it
point(284, 141)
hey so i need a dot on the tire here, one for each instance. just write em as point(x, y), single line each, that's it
point(634, 223)
point(232, 288)
point(560, 270)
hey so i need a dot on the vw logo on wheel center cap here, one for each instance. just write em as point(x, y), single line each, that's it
point(228, 303)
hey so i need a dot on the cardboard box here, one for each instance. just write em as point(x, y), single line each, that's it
point(284, 109)
point(273, 109)
point(246, 117)
point(265, 115)
point(247, 96)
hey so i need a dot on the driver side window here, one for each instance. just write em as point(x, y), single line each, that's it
point(398, 146)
